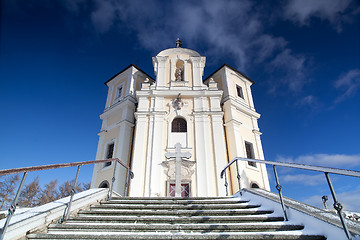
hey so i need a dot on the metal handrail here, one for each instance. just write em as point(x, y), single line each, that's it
point(25, 170)
point(326, 170)
point(60, 165)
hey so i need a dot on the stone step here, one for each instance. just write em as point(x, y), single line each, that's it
point(286, 235)
point(176, 206)
point(240, 227)
point(173, 212)
point(182, 201)
point(171, 198)
point(174, 219)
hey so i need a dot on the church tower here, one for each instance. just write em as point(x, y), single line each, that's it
point(214, 120)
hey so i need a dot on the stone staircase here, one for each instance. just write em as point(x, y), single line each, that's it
point(175, 218)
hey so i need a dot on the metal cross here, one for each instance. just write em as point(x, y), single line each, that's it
point(178, 155)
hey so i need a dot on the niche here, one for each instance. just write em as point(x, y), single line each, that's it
point(179, 71)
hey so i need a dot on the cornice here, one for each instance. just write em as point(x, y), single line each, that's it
point(174, 93)
point(257, 132)
point(241, 107)
point(236, 122)
point(128, 99)
point(125, 69)
point(209, 113)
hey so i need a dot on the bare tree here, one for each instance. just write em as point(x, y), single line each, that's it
point(30, 195)
point(49, 194)
point(86, 186)
point(65, 188)
point(7, 190)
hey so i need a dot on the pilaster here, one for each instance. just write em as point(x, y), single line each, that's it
point(261, 156)
point(235, 148)
point(97, 167)
point(250, 98)
point(123, 153)
point(159, 64)
point(149, 150)
point(198, 64)
point(139, 156)
point(157, 156)
point(219, 150)
point(205, 169)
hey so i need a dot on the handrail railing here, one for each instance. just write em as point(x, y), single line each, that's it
point(326, 170)
point(25, 170)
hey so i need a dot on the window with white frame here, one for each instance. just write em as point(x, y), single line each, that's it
point(119, 91)
point(109, 153)
point(239, 91)
point(250, 153)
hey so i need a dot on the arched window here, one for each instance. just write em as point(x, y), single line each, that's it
point(178, 125)
point(104, 184)
point(254, 185)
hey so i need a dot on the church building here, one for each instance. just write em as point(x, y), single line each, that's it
point(212, 120)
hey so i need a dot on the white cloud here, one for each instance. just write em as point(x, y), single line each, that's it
point(349, 200)
point(349, 83)
point(105, 15)
point(74, 5)
point(293, 68)
point(305, 179)
point(309, 101)
point(326, 160)
point(334, 11)
point(231, 29)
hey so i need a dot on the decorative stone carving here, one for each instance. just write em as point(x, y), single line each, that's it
point(212, 84)
point(187, 170)
point(177, 103)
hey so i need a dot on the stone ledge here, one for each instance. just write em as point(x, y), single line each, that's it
point(320, 214)
point(39, 217)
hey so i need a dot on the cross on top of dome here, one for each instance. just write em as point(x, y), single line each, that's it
point(178, 43)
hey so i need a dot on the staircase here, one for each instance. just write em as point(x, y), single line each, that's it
point(175, 218)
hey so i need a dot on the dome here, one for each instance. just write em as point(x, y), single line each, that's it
point(178, 50)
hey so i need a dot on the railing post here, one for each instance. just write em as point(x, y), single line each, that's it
point(13, 207)
point(226, 184)
point(278, 187)
point(238, 177)
point(72, 193)
point(112, 183)
point(338, 207)
point(127, 182)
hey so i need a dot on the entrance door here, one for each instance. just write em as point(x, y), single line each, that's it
point(185, 190)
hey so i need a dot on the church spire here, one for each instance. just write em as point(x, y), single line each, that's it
point(178, 43)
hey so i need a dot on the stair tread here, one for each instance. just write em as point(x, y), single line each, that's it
point(175, 212)
point(177, 206)
point(68, 224)
point(180, 235)
point(178, 218)
point(177, 201)
point(279, 226)
point(171, 198)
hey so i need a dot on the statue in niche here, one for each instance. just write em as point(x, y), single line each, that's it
point(179, 74)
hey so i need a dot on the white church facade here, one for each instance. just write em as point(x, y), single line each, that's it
point(213, 120)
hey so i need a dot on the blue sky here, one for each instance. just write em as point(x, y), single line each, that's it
point(303, 55)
